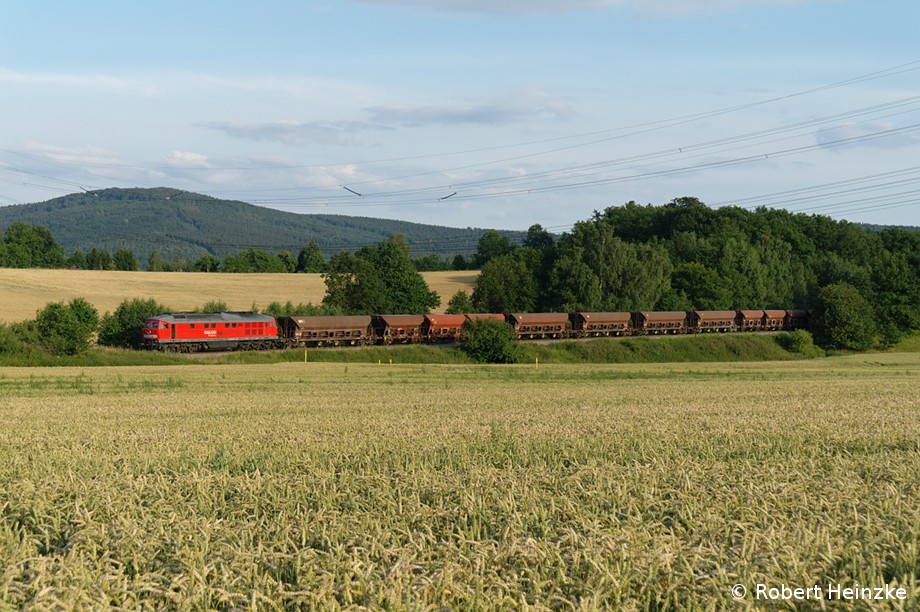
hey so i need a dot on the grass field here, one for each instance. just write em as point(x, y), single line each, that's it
point(22, 292)
point(424, 486)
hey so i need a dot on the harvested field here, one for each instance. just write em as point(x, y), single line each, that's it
point(420, 486)
point(22, 292)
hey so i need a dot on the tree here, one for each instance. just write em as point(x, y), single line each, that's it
point(30, 246)
point(76, 260)
point(155, 263)
point(430, 263)
point(491, 245)
point(310, 259)
point(206, 263)
point(460, 303)
point(459, 263)
point(506, 284)
point(98, 260)
point(573, 286)
point(845, 320)
point(251, 261)
point(287, 261)
point(490, 341)
point(705, 289)
point(124, 260)
point(538, 238)
point(66, 329)
point(124, 326)
point(378, 279)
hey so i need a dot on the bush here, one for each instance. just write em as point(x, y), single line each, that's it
point(123, 327)
point(213, 306)
point(460, 303)
point(491, 341)
point(845, 319)
point(799, 342)
point(66, 329)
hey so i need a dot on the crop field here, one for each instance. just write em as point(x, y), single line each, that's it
point(22, 292)
point(324, 485)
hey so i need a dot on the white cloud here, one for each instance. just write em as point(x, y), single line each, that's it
point(294, 132)
point(74, 156)
point(100, 83)
point(522, 106)
point(187, 159)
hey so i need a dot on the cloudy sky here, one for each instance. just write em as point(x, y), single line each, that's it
point(485, 113)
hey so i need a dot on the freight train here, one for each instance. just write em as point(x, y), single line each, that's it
point(190, 332)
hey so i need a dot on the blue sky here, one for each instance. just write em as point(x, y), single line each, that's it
point(469, 113)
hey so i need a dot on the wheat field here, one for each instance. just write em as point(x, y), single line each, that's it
point(23, 291)
point(327, 485)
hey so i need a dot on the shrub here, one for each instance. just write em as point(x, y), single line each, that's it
point(66, 329)
point(491, 341)
point(123, 327)
point(214, 306)
point(845, 319)
point(460, 303)
point(799, 342)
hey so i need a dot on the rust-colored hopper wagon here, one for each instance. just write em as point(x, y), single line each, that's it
point(597, 324)
point(539, 324)
point(708, 321)
point(750, 320)
point(326, 331)
point(796, 319)
point(673, 322)
point(774, 320)
point(398, 329)
point(443, 327)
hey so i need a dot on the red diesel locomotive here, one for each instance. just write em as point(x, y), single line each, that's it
point(189, 332)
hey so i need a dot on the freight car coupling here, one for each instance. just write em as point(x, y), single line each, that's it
point(192, 332)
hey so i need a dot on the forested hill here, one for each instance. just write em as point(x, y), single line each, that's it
point(189, 225)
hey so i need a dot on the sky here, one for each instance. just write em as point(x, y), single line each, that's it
point(469, 113)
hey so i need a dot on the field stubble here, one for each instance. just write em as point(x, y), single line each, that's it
point(654, 486)
point(25, 291)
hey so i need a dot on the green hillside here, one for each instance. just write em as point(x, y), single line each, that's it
point(190, 225)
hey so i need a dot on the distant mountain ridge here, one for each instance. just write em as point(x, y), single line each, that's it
point(189, 225)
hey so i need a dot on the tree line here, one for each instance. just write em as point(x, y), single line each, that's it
point(863, 285)
point(687, 256)
point(33, 246)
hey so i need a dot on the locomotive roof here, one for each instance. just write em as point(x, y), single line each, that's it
point(207, 317)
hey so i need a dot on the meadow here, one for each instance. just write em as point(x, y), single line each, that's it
point(285, 485)
point(25, 291)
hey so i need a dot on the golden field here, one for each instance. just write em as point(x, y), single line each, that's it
point(24, 291)
point(327, 485)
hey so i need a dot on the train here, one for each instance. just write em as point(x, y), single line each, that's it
point(192, 332)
